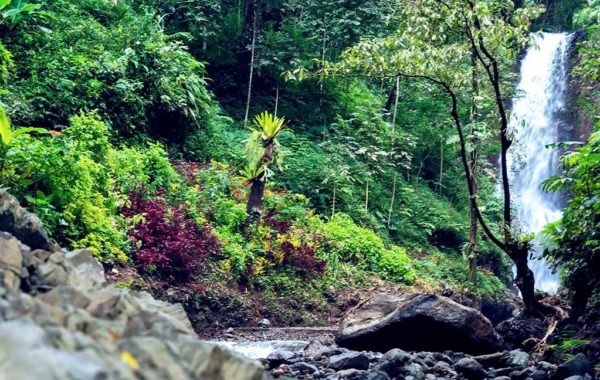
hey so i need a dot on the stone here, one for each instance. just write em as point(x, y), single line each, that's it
point(378, 375)
point(351, 374)
point(89, 273)
point(470, 369)
point(349, 360)
point(281, 356)
point(522, 374)
point(516, 359)
point(415, 370)
point(517, 330)
point(11, 261)
point(580, 365)
point(22, 224)
point(304, 368)
point(393, 361)
point(417, 322)
point(65, 297)
point(327, 352)
point(540, 375)
point(443, 369)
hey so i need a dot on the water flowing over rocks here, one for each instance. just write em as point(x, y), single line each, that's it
point(420, 322)
point(59, 320)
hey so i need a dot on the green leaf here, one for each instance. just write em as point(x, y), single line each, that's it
point(28, 130)
point(4, 3)
point(5, 129)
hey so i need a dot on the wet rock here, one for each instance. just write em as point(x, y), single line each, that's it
point(351, 374)
point(327, 352)
point(540, 375)
point(349, 360)
point(281, 356)
point(304, 368)
point(470, 369)
point(522, 374)
point(580, 365)
point(377, 375)
point(417, 322)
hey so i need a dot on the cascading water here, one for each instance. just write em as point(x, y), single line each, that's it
point(535, 120)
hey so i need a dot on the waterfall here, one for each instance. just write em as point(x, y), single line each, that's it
point(535, 119)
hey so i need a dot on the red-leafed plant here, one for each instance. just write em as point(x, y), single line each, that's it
point(302, 258)
point(171, 246)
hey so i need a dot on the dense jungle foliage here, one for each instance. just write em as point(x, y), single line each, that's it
point(129, 127)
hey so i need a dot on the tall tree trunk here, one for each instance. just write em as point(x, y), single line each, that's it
point(473, 223)
point(252, 54)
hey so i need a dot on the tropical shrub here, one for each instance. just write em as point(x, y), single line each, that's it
point(167, 244)
point(344, 241)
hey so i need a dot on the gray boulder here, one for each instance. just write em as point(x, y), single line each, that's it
point(349, 360)
point(470, 369)
point(417, 322)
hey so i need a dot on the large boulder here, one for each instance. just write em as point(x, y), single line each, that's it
point(417, 322)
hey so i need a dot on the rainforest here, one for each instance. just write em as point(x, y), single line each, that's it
point(300, 189)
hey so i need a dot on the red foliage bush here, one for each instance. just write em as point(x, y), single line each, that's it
point(188, 170)
point(272, 220)
point(171, 246)
point(302, 258)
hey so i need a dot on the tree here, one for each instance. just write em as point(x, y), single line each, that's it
point(436, 45)
point(262, 152)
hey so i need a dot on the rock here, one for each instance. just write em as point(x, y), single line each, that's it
point(417, 322)
point(349, 360)
point(393, 361)
point(574, 378)
point(281, 356)
point(540, 375)
point(443, 369)
point(351, 374)
point(377, 375)
point(580, 365)
point(327, 352)
point(498, 311)
point(516, 359)
point(65, 297)
point(470, 369)
point(304, 368)
point(522, 374)
point(11, 261)
point(501, 378)
point(89, 272)
point(264, 322)
point(23, 225)
point(415, 370)
point(517, 330)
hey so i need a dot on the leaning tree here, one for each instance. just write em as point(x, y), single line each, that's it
point(441, 41)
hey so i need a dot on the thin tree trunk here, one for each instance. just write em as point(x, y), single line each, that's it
point(367, 198)
point(276, 99)
point(252, 52)
point(391, 210)
point(441, 180)
point(392, 146)
point(333, 201)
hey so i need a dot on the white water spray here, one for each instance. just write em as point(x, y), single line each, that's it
point(535, 120)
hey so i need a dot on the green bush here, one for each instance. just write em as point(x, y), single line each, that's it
point(347, 242)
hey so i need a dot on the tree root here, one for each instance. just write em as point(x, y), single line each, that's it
point(557, 315)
